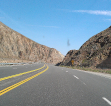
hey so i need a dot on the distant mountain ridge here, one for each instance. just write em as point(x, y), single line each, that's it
point(14, 45)
point(96, 52)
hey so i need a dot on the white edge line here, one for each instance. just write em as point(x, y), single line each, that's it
point(107, 100)
point(94, 73)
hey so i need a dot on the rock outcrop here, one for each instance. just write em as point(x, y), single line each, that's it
point(96, 52)
point(14, 45)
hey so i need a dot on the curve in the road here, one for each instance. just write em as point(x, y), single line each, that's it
point(21, 82)
point(1, 79)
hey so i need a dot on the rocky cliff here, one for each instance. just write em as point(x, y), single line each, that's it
point(14, 45)
point(96, 52)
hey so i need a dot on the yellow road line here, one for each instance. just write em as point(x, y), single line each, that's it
point(20, 83)
point(1, 79)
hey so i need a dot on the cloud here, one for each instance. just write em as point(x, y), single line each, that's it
point(96, 12)
point(51, 26)
point(107, 19)
point(6, 16)
point(44, 26)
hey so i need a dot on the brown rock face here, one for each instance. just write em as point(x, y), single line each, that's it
point(68, 57)
point(16, 46)
point(95, 52)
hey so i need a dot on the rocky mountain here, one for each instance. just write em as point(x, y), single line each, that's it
point(96, 52)
point(15, 46)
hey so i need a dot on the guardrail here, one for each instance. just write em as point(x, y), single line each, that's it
point(19, 63)
point(11, 63)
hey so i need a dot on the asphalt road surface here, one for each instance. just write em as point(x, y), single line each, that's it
point(47, 85)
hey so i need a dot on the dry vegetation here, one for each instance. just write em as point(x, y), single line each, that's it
point(108, 71)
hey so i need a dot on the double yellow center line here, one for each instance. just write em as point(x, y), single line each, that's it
point(1, 79)
point(20, 83)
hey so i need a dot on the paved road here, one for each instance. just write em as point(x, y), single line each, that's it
point(52, 86)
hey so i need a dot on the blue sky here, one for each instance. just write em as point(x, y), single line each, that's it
point(61, 24)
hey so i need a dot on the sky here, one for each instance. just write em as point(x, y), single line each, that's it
point(61, 24)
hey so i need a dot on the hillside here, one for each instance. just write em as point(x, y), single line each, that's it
point(15, 46)
point(96, 52)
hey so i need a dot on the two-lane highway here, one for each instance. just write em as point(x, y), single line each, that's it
point(48, 85)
